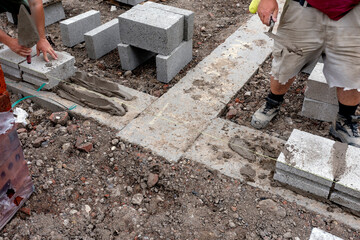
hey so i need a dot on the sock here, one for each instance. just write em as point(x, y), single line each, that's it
point(347, 111)
point(278, 98)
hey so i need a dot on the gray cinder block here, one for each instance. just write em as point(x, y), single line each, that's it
point(103, 39)
point(131, 57)
point(188, 17)
point(168, 66)
point(318, 89)
point(134, 2)
point(53, 12)
point(346, 201)
point(302, 166)
point(52, 72)
point(10, 72)
point(319, 110)
point(73, 29)
point(152, 29)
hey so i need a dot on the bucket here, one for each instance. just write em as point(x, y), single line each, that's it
point(15, 182)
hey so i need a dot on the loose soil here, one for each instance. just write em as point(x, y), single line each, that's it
point(121, 191)
point(215, 20)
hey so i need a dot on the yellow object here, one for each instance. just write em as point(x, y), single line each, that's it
point(254, 6)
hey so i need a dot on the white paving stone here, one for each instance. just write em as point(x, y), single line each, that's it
point(318, 234)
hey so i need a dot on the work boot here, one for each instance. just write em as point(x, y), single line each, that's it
point(346, 130)
point(265, 113)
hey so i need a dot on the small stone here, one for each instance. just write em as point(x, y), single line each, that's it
point(113, 148)
point(39, 163)
point(232, 224)
point(86, 147)
point(115, 141)
point(271, 206)
point(248, 94)
point(152, 180)
point(112, 8)
point(137, 199)
point(66, 146)
point(129, 189)
point(21, 130)
point(72, 212)
point(37, 142)
point(25, 210)
point(87, 209)
point(231, 113)
point(59, 118)
point(122, 146)
point(287, 235)
point(127, 73)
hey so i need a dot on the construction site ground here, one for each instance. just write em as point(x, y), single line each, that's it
point(121, 191)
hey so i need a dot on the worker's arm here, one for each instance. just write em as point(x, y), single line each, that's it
point(267, 9)
point(13, 44)
point(37, 12)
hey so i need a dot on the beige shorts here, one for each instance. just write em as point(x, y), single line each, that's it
point(305, 34)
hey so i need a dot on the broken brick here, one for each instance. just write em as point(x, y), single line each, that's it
point(59, 118)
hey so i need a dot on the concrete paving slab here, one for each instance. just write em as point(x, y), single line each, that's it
point(301, 158)
point(152, 29)
point(53, 102)
point(318, 234)
point(201, 94)
point(349, 181)
point(317, 87)
point(319, 110)
point(212, 149)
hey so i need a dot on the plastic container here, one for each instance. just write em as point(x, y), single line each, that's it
point(15, 182)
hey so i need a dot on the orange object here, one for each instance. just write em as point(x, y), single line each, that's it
point(5, 104)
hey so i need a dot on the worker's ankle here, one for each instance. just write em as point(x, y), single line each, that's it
point(347, 111)
point(276, 97)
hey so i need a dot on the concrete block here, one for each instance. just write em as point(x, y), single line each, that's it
point(168, 66)
point(122, 1)
point(319, 110)
point(52, 72)
point(318, 234)
point(349, 181)
point(346, 201)
point(73, 29)
point(300, 159)
point(134, 2)
point(11, 59)
point(301, 183)
point(188, 17)
point(53, 12)
point(103, 39)
point(152, 29)
point(131, 57)
point(10, 72)
point(318, 89)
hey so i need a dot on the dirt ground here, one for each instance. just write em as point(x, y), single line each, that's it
point(121, 191)
point(215, 20)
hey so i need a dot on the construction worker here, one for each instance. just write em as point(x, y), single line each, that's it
point(37, 10)
point(316, 28)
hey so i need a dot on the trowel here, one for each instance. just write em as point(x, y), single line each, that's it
point(27, 32)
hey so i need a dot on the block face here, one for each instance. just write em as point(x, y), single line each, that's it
point(188, 17)
point(10, 72)
point(103, 39)
point(318, 89)
point(349, 181)
point(53, 13)
point(134, 2)
point(301, 156)
point(168, 66)
point(52, 72)
point(318, 234)
point(303, 184)
point(346, 200)
point(319, 110)
point(131, 57)
point(11, 59)
point(73, 29)
point(154, 30)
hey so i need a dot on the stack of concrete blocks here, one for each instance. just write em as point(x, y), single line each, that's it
point(53, 11)
point(131, 2)
point(73, 29)
point(154, 29)
point(103, 39)
point(320, 101)
point(10, 62)
point(322, 167)
point(50, 73)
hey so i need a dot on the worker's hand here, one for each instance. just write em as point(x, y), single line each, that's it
point(18, 49)
point(44, 46)
point(268, 9)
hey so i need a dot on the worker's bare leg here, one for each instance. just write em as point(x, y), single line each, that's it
point(345, 125)
point(268, 110)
